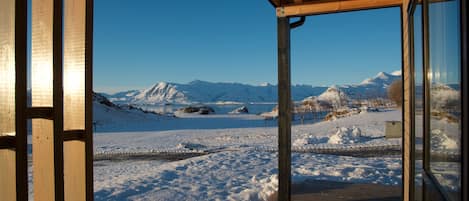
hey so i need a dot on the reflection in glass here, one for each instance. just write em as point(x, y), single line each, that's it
point(418, 98)
point(445, 99)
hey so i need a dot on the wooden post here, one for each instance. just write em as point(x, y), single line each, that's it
point(89, 99)
point(21, 99)
point(284, 109)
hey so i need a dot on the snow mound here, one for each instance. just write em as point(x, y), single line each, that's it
point(309, 140)
point(346, 136)
point(269, 186)
point(440, 141)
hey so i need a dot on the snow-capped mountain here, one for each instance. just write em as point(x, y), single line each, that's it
point(372, 87)
point(204, 92)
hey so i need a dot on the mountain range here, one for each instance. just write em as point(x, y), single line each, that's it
point(209, 92)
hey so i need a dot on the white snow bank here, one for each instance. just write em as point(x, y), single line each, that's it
point(309, 140)
point(346, 135)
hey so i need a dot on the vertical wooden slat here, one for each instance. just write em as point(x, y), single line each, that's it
point(46, 91)
point(74, 171)
point(74, 98)
point(89, 99)
point(58, 98)
point(406, 160)
point(465, 100)
point(7, 175)
point(284, 114)
point(21, 99)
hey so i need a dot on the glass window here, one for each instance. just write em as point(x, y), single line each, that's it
point(444, 95)
point(418, 97)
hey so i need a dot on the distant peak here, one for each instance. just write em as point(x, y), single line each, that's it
point(382, 75)
point(159, 85)
point(397, 73)
point(265, 84)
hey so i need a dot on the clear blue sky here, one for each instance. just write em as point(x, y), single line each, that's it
point(139, 43)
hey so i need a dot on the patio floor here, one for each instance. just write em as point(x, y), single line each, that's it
point(342, 191)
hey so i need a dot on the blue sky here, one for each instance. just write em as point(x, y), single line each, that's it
point(139, 44)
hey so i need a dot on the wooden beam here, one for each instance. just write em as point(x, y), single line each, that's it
point(325, 7)
point(7, 142)
point(89, 100)
point(284, 110)
point(77, 135)
point(40, 113)
point(21, 41)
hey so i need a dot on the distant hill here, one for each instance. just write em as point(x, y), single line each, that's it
point(209, 92)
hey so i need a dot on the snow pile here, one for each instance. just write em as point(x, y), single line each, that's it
point(269, 186)
point(441, 142)
point(346, 136)
point(309, 140)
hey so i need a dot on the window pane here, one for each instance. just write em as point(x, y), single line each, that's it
point(445, 99)
point(418, 98)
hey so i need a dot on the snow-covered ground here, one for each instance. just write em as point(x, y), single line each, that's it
point(242, 164)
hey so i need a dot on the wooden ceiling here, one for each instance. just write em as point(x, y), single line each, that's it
point(287, 8)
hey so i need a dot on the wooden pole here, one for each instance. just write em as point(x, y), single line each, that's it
point(284, 109)
point(20, 99)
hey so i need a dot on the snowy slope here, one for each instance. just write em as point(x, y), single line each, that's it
point(109, 116)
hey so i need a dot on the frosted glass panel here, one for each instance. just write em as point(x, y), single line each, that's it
point(7, 98)
point(41, 92)
point(7, 67)
point(41, 75)
point(74, 64)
